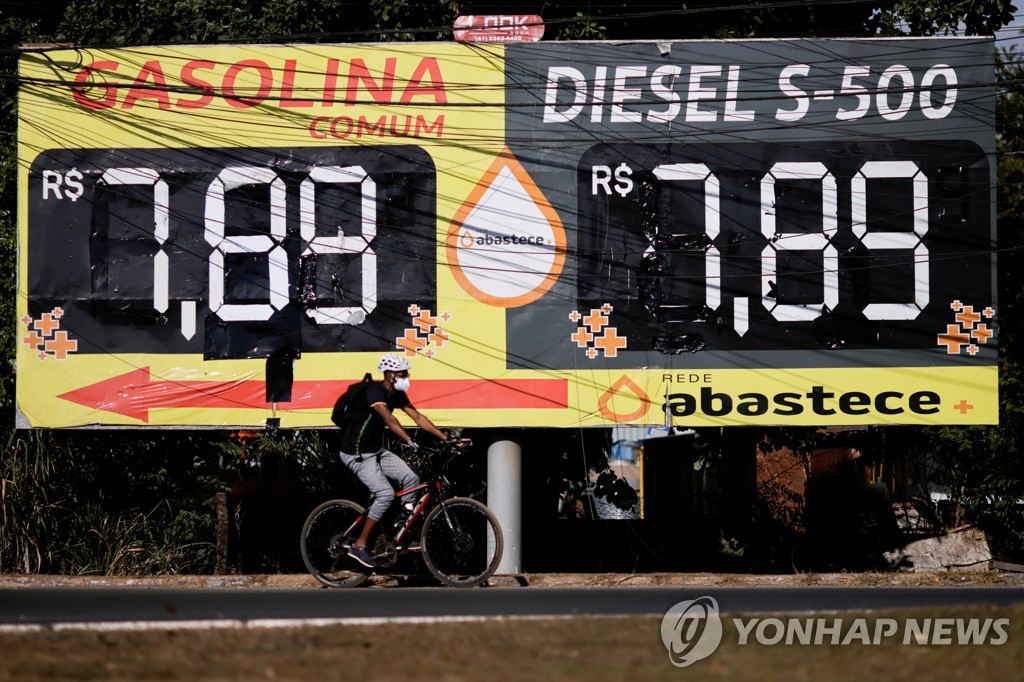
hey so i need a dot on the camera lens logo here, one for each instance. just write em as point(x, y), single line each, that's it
point(691, 631)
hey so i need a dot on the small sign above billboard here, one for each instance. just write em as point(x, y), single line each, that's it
point(499, 28)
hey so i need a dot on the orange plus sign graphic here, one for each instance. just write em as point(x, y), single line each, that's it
point(954, 339)
point(574, 316)
point(607, 309)
point(582, 337)
point(413, 309)
point(425, 321)
point(32, 339)
point(60, 345)
point(595, 320)
point(611, 342)
point(46, 324)
point(591, 353)
point(981, 333)
point(967, 317)
point(438, 337)
point(411, 342)
point(963, 407)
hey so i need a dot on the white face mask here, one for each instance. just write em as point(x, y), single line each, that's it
point(402, 384)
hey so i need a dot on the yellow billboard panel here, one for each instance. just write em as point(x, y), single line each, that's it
point(554, 234)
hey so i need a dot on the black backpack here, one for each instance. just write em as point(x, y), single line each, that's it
point(350, 404)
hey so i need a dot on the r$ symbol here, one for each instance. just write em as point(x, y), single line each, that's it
point(63, 186)
point(601, 177)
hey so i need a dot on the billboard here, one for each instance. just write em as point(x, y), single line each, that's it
point(556, 234)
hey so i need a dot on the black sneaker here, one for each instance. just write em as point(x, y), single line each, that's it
point(362, 556)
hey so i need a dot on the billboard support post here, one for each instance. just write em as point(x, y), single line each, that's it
point(505, 497)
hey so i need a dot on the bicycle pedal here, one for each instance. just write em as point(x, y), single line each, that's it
point(339, 548)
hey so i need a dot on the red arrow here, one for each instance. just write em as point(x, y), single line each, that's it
point(134, 394)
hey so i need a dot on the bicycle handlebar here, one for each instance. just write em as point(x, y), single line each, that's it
point(452, 446)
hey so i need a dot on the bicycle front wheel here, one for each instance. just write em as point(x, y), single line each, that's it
point(462, 542)
point(329, 531)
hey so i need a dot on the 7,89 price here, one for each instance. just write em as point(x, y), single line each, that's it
point(761, 246)
point(265, 250)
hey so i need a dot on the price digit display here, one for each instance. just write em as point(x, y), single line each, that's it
point(233, 253)
point(848, 247)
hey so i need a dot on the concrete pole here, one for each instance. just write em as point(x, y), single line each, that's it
point(505, 498)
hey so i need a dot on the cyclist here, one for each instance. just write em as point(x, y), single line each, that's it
point(363, 451)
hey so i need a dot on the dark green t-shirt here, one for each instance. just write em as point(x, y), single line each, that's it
point(366, 432)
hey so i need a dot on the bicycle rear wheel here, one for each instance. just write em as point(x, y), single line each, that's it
point(465, 552)
point(326, 536)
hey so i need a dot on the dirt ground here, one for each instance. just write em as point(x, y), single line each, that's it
point(287, 581)
point(609, 649)
point(591, 649)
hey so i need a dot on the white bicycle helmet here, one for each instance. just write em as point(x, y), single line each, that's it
point(393, 363)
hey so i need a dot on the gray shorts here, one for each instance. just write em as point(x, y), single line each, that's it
point(374, 470)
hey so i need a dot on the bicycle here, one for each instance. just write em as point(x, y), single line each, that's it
point(461, 541)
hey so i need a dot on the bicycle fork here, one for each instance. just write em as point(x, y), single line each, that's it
point(452, 522)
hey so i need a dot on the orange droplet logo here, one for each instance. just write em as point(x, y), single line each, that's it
point(521, 234)
point(627, 389)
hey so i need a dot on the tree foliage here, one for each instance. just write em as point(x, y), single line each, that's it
point(925, 18)
point(147, 22)
point(985, 465)
point(123, 22)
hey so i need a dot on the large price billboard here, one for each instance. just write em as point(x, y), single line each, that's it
point(555, 234)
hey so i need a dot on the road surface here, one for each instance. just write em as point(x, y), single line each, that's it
point(53, 606)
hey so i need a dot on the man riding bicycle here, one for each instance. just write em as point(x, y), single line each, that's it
point(363, 451)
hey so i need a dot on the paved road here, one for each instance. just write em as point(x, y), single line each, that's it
point(49, 606)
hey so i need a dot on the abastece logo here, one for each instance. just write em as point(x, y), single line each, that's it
point(468, 240)
point(691, 630)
